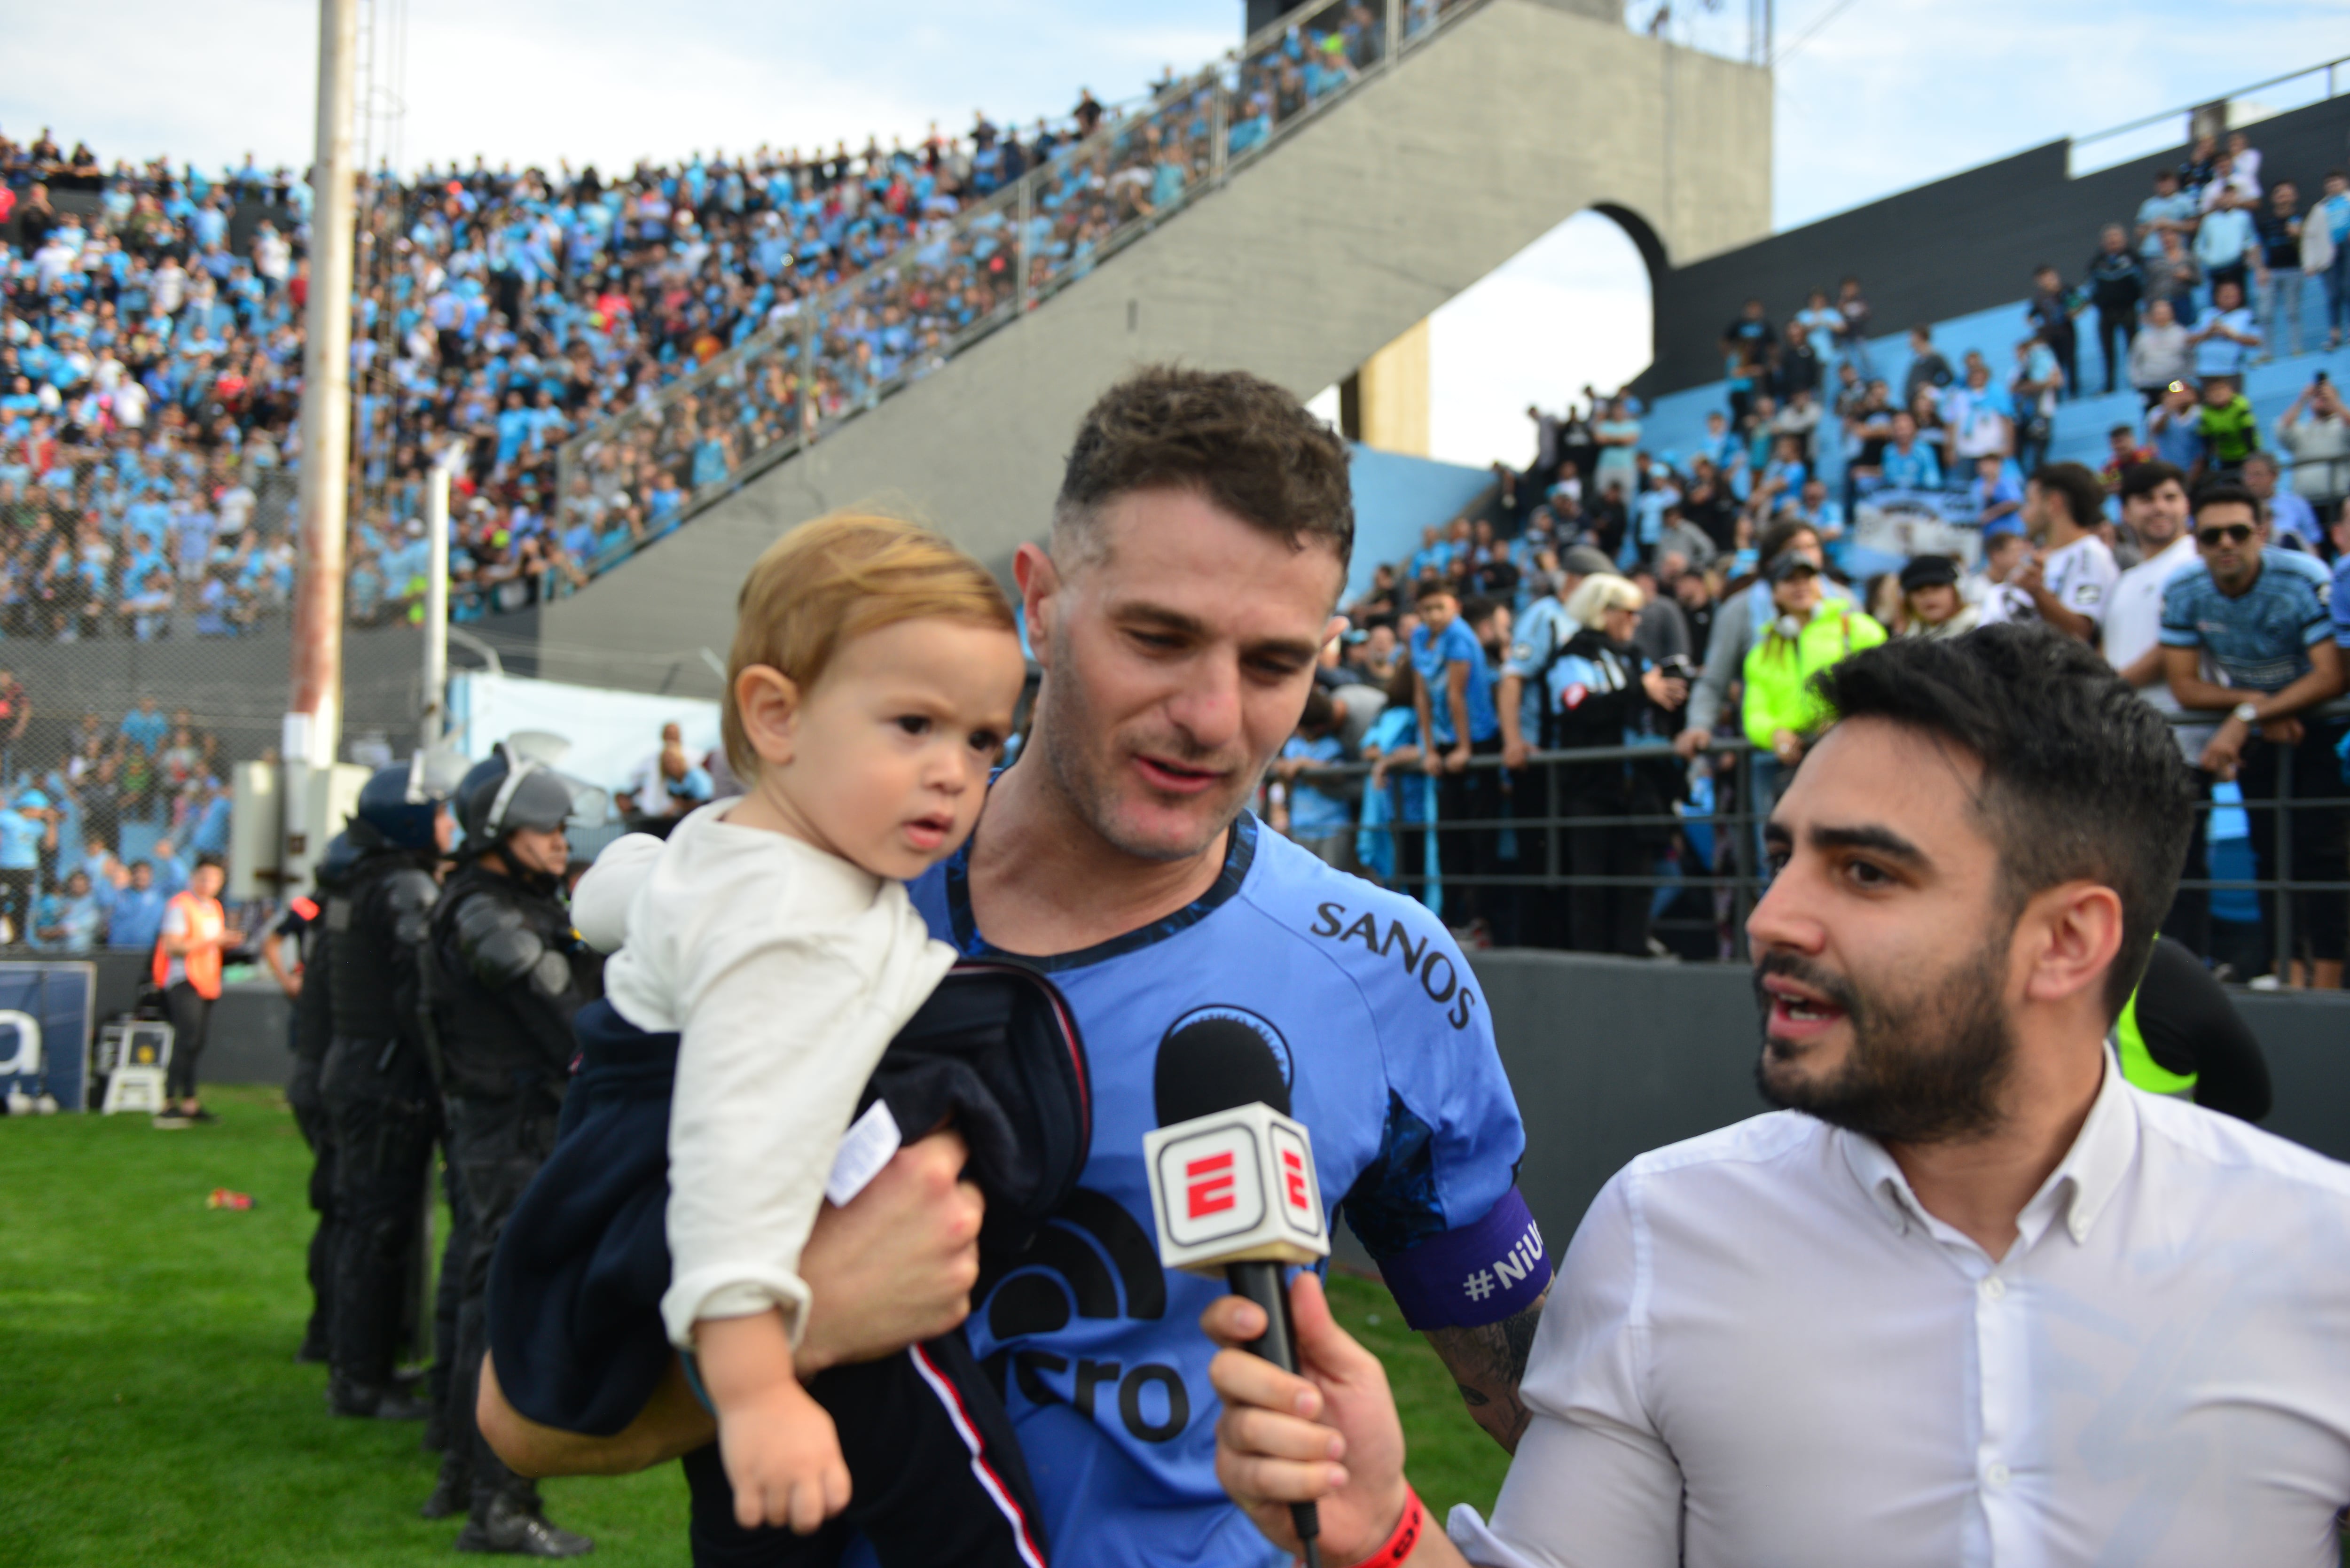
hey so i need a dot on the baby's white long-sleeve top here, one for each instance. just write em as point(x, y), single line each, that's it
point(786, 970)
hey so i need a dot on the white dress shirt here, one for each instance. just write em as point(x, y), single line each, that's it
point(1764, 1352)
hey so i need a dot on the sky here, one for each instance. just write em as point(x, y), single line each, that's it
point(1871, 98)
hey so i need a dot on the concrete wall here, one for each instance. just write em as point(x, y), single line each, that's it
point(1960, 244)
point(1612, 1057)
point(1393, 199)
point(1609, 1058)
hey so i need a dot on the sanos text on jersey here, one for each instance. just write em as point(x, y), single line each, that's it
point(1420, 956)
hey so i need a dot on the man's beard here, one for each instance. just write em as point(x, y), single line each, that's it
point(1077, 754)
point(1925, 1067)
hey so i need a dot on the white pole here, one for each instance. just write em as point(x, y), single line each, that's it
point(313, 718)
point(436, 598)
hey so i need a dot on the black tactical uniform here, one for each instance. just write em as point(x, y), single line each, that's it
point(377, 1083)
point(504, 976)
point(313, 1031)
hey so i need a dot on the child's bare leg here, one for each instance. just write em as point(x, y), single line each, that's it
point(781, 1451)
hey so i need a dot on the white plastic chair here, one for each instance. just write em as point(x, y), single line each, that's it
point(132, 1086)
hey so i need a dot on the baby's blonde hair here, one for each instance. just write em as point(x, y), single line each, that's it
point(840, 577)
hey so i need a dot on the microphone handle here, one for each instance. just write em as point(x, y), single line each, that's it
point(1262, 1284)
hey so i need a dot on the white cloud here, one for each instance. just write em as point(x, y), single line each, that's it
point(606, 81)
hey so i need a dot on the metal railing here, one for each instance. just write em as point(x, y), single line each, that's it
point(2177, 127)
point(1734, 870)
point(841, 352)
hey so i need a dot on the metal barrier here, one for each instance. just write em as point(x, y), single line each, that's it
point(1736, 871)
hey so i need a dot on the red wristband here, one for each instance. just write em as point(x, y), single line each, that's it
point(1398, 1546)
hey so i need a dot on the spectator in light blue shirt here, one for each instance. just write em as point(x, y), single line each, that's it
point(209, 835)
point(171, 871)
point(69, 922)
point(1907, 462)
point(145, 726)
point(21, 830)
point(2169, 208)
point(2226, 334)
point(136, 918)
point(2227, 243)
point(1320, 819)
point(1441, 643)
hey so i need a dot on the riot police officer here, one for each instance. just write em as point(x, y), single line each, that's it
point(377, 1080)
point(504, 976)
point(304, 925)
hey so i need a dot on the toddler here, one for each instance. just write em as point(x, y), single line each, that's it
point(872, 683)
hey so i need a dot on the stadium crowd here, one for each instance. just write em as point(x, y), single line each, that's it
point(1616, 595)
point(152, 334)
point(94, 843)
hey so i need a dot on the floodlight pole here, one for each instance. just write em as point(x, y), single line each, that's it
point(435, 722)
point(314, 707)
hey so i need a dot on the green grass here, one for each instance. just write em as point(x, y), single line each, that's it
point(153, 1413)
point(1448, 1457)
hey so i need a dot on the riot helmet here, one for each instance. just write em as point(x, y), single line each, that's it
point(506, 792)
point(398, 806)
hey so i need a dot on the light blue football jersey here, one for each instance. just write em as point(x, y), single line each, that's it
point(1382, 1029)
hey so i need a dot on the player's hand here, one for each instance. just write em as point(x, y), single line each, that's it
point(1330, 1437)
point(1515, 753)
point(782, 1454)
point(1457, 759)
point(1691, 741)
point(896, 1266)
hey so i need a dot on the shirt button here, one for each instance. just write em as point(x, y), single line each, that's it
point(1996, 1475)
point(1993, 1288)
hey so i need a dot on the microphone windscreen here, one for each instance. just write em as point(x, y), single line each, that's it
point(1210, 1063)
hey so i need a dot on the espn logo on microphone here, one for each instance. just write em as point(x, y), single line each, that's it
point(1234, 1187)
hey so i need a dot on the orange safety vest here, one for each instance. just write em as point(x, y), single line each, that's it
point(202, 965)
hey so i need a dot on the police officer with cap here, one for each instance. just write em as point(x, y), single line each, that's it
point(504, 974)
point(377, 1080)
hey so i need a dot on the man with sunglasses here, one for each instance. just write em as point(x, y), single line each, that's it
point(2256, 619)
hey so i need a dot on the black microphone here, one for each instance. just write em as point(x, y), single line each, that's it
point(1231, 1178)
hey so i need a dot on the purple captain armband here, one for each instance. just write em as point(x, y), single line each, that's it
point(1484, 1272)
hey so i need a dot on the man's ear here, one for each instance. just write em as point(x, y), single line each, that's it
point(2074, 931)
point(1039, 581)
point(768, 702)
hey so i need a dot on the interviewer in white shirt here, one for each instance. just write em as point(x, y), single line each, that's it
point(1970, 1298)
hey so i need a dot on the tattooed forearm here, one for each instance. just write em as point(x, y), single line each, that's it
point(1487, 1363)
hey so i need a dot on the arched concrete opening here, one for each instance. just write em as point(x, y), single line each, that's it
point(1574, 308)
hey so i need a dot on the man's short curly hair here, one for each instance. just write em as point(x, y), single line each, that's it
point(1235, 440)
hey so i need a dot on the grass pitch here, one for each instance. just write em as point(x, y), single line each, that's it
point(153, 1413)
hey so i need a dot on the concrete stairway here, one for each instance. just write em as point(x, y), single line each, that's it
point(1391, 198)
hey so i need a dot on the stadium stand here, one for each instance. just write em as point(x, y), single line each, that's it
point(619, 355)
point(150, 381)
